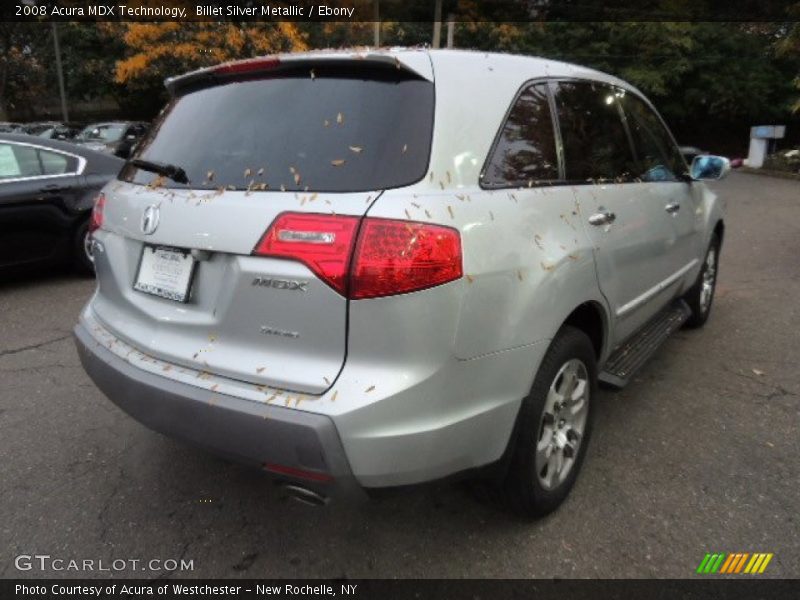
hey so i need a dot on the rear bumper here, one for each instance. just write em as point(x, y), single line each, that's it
point(249, 432)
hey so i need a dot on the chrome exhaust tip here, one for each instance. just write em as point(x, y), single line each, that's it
point(305, 495)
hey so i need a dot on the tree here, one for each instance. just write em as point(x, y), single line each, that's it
point(789, 47)
point(23, 48)
point(155, 51)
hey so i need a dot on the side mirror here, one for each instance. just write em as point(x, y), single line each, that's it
point(707, 166)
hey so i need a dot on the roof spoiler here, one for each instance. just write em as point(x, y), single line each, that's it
point(253, 67)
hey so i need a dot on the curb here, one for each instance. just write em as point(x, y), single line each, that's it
point(770, 173)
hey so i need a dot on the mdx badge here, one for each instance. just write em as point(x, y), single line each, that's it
point(281, 284)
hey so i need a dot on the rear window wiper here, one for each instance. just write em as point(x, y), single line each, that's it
point(174, 172)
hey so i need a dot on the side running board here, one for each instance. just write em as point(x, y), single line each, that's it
point(633, 353)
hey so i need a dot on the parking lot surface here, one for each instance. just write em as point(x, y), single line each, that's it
point(699, 454)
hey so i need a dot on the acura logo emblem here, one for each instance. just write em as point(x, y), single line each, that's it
point(150, 219)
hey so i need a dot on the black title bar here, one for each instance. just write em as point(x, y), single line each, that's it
point(398, 10)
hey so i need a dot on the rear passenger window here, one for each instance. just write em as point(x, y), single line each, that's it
point(659, 158)
point(18, 161)
point(596, 145)
point(525, 153)
point(54, 163)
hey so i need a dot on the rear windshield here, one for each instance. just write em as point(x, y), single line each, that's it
point(322, 129)
point(101, 133)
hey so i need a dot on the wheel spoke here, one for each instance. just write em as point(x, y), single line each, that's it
point(546, 438)
point(562, 423)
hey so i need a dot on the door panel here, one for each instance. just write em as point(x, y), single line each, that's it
point(629, 251)
point(36, 188)
point(661, 164)
point(631, 243)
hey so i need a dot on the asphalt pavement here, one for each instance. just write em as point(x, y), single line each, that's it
point(699, 454)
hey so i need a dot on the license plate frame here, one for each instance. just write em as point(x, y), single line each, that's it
point(155, 277)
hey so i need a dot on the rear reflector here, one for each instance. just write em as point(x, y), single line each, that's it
point(96, 220)
point(390, 257)
point(298, 473)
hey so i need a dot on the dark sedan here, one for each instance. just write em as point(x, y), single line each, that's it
point(47, 188)
point(118, 137)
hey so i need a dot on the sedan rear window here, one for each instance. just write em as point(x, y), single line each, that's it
point(323, 129)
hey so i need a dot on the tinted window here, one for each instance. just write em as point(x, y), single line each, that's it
point(102, 133)
point(54, 163)
point(596, 145)
point(659, 157)
point(525, 151)
point(342, 130)
point(18, 161)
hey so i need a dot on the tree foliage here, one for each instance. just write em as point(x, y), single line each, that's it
point(23, 60)
point(707, 78)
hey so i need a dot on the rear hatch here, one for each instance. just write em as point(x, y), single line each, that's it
point(235, 148)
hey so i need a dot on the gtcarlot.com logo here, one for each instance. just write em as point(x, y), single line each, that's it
point(46, 562)
point(734, 563)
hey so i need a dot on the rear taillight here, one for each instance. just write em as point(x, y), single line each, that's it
point(396, 257)
point(96, 220)
point(390, 257)
point(322, 242)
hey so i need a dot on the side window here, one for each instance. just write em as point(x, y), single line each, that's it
point(659, 158)
point(9, 167)
point(18, 161)
point(596, 145)
point(525, 152)
point(54, 163)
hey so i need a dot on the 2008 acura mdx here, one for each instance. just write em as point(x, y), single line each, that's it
point(368, 270)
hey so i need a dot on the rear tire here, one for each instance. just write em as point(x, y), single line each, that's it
point(82, 258)
point(554, 426)
point(701, 295)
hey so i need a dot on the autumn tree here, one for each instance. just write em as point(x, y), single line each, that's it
point(155, 51)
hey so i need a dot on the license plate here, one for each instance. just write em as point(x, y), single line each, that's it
point(165, 272)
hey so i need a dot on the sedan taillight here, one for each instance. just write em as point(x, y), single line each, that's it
point(96, 221)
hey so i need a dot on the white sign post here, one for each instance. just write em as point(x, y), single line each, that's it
point(759, 143)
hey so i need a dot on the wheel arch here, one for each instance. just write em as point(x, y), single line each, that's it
point(591, 318)
point(719, 230)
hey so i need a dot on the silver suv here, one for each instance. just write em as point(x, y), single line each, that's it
point(370, 270)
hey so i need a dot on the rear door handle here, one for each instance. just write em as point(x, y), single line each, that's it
point(54, 188)
point(672, 207)
point(603, 217)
